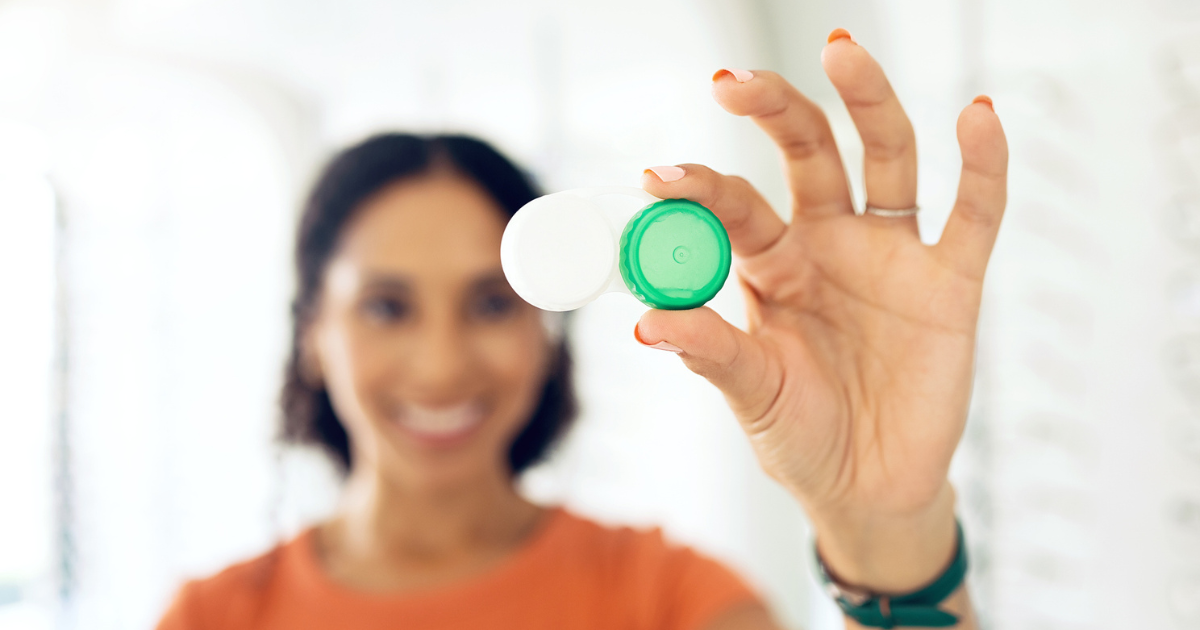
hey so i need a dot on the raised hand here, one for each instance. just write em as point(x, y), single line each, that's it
point(854, 376)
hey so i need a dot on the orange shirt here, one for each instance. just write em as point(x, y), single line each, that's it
point(573, 574)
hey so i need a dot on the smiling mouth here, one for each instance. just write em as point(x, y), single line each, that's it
point(440, 425)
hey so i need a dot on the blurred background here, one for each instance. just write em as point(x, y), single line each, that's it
point(152, 158)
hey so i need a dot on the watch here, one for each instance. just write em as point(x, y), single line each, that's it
point(916, 609)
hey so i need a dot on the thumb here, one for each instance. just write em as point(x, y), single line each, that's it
point(738, 364)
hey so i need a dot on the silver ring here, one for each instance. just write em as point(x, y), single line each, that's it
point(887, 212)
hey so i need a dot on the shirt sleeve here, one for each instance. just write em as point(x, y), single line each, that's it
point(180, 614)
point(229, 600)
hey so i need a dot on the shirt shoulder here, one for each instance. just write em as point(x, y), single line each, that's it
point(229, 599)
point(661, 584)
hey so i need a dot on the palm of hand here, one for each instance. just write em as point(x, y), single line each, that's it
point(869, 340)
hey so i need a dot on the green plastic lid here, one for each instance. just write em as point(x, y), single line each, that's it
point(674, 255)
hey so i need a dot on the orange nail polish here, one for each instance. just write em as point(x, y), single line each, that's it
point(662, 345)
point(986, 100)
point(840, 33)
point(741, 76)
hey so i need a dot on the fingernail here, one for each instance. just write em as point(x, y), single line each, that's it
point(662, 345)
point(839, 33)
point(667, 173)
point(986, 100)
point(742, 76)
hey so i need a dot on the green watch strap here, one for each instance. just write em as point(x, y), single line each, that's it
point(917, 609)
point(674, 255)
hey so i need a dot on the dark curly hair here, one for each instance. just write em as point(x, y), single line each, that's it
point(347, 181)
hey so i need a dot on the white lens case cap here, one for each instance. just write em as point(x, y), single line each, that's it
point(559, 251)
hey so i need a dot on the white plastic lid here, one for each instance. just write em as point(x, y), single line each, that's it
point(558, 252)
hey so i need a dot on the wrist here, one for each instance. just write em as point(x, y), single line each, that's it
point(887, 552)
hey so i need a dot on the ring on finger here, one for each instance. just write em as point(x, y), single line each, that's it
point(890, 212)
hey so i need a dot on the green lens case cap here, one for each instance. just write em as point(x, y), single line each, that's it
point(674, 255)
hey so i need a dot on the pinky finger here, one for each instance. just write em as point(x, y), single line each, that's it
point(970, 233)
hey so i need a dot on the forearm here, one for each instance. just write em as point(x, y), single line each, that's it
point(890, 553)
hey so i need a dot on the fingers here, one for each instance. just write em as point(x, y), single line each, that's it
point(800, 129)
point(751, 223)
point(970, 232)
point(889, 144)
point(715, 349)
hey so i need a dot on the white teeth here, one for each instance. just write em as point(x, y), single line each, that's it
point(442, 420)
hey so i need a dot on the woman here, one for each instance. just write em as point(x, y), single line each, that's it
point(434, 384)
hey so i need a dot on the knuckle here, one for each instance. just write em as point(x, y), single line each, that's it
point(888, 149)
point(713, 191)
point(993, 175)
point(738, 181)
point(977, 213)
point(803, 147)
point(735, 200)
point(779, 110)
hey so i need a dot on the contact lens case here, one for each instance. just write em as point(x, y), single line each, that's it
point(563, 250)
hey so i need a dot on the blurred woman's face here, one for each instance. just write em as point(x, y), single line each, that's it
point(431, 360)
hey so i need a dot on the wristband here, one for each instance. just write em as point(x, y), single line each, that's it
point(916, 609)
